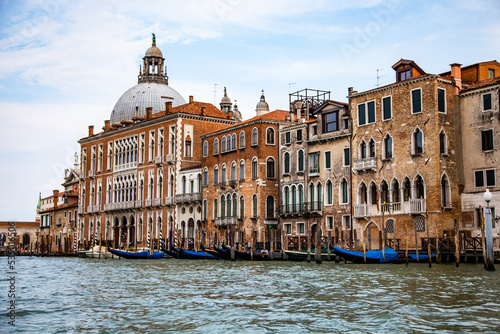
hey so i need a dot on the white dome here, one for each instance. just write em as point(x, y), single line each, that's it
point(142, 96)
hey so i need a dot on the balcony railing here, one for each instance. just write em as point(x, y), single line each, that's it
point(360, 210)
point(298, 208)
point(418, 206)
point(226, 221)
point(89, 208)
point(170, 158)
point(223, 184)
point(158, 160)
point(125, 166)
point(96, 208)
point(413, 206)
point(157, 202)
point(365, 164)
point(188, 198)
point(232, 183)
point(91, 173)
point(169, 201)
point(148, 202)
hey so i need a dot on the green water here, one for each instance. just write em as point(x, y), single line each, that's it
point(72, 295)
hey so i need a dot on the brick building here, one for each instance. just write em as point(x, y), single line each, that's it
point(240, 180)
point(315, 175)
point(404, 159)
point(131, 171)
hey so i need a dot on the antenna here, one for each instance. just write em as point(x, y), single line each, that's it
point(379, 76)
point(215, 92)
point(290, 85)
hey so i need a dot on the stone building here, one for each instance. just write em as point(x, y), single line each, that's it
point(25, 238)
point(315, 169)
point(404, 159)
point(480, 126)
point(131, 171)
point(240, 180)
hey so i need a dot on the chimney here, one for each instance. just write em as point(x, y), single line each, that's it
point(203, 110)
point(149, 112)
point(229, 114)
point(168, 107)
point(56, 195)
point(106, 125)
point(349, 91)
point(91, 130)
point(190, 98)
point(456, 75)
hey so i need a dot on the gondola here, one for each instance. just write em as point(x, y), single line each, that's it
point(421, 257)
point(136, 255)
point(302, 255)
point(372, 256)
point(221, 255)
point(189, 255)
point(246, 256)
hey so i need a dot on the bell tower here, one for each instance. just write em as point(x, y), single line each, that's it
point(153, 68)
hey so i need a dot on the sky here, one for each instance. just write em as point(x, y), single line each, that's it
point(64, 64)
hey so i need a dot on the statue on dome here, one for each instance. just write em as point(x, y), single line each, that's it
point(154, 38)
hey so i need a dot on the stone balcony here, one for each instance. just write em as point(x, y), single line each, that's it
point(170, 158)
point(169, 200)
point(412, 207)
point(365, 164)
point(188, 198)
point(158, 161)
point(226, 221)
point(125, 166)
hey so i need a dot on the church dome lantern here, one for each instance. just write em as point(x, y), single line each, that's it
point(262, 107)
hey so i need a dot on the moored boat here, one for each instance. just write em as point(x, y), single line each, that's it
point(421, 257)
point(96, 253)
point(189, 255)
point(302, 255)
point(137, 255)
point(372, 256)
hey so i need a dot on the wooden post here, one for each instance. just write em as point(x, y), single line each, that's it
point(231, 242)
point(437, 244)
point(364, 244)
point(271, 245)
point(457, 245)
point(428, 244)
point(251, 245)
point(416, 240)
point(383, 233)
point(328, 244)
point(483, 238)
point(406, 240)
point(308, 242)
point(100, 245)
point(317, 244)
point(394, 234)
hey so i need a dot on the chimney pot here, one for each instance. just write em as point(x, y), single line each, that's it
point(191, 98)
point(106, 125)
point(168, 107)
point(91, 130)
point(456, 74)
point(203, 110)
point(149, 112)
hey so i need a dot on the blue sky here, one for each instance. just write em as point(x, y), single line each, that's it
point(64, 64)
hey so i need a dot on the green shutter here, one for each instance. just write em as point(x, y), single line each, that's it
point(361, 114)
point(371, 112)
point(416, 100)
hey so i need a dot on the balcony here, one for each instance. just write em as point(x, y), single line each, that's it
point(125, 166)
point(157, 202)
point(158, 161)
point(223, 185)
point(360, 210)
point(91, 173)
point(170, 159)
point(188, 198)
point(314, 171)
point(365, 164)
point(226, 221)
point(417, 206)
point(301, 208)
point(169, 200)
point(391, 207)
point(96, 208)
point(233, 183)
point(81, 210)
point(89, 208)
point(148, 202)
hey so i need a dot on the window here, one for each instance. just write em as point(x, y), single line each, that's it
point(301, 228)
point(287, 138)
point(216, 175)
point(300, 162)
point(270, 136)
point(491, 73)
point(270, 168)
point(406, 190)
point(223, 145)
point(395, 191)
point(329, 192)
point(386, 108)
point(441, 100)
point(328, 160)
point(242, 207)
point(188, 148)
point(389, 226)
point(314, 163)
point(286, 163)
point(288, 228)
point(299, 135)
point(347, 156)
point(216, 146)
point(254, 206)
point(419, 187)
point(216, 208)
point(205, 209)
point(366, 113)
point(329, 223)
point(242, 170)
point(443, 149)
point(487, 140)
point(314, 130)
point(223, 174)
point(270, 207)
point(347, 222)
point(445, 192)
point(487, 102)
point(372, 148)
point(242, 139)
point(254, 168)
point(345, 193)
point(255, 139)
point(331, 122)
point(205, 177)
point(233, 171)
point(362, 150)
point(479, 176)
point(233, 142)
point(388, 147)
point(223, 206)
point(205, 149)
point(418, 142)
point(416, 101)
point(404, 75)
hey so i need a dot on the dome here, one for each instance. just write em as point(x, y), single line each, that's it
point(153, 52)
point(262, 107)
point(142, 96)
point(225, 99)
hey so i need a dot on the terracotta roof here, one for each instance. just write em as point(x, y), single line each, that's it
point(276, 115)
point(195, 109)
point(482, 83)
point(393, 84)
point(408, 62)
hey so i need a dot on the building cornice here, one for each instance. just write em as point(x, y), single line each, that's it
point(241, 126)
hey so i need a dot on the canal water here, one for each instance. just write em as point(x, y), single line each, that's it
point(73, 295)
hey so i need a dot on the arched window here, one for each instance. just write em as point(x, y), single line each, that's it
point(387, 147)
point(242, 139)
point(362, 150)
point(233, 142)
point(286, 191)
point(287, 163)
point(270, 207)
point(254, 206)
point(270, 136)
point(445, 192)
point(372, 148)
point(417, 142)
point(345, 191)
point(223, 206)
point(216, 175)
point(362, 195)
point(255, 139)
point(384, 192)
point(228, 202)
point(300, 162)
point(205, 208)
point(235, 205)
point(270, 168)
point(254, 168)
point(396, 196)
point(223, 145)
point(419, 187)
point(311, 196)
point(205, 149)
point(320, 195)
point(242, 170)
point(228, 147)
point(223, 174)
point(406, 189)
point(294, 198)
point(216, 208)
point(188, 148)
point(443, 147)
point(373, 194)
point(233, 171)
point(242, 207)
point(301, 197)
point(329, 192)
point(216, 146)
point(205, 177)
